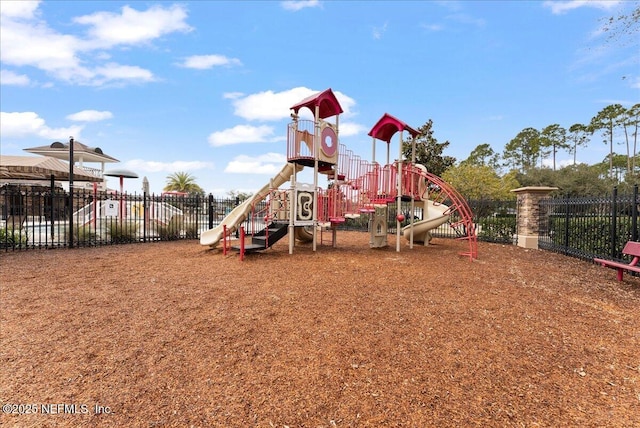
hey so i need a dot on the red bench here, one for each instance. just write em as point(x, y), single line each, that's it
point(631, 248)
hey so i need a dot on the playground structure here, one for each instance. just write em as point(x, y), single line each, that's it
point(356, 187)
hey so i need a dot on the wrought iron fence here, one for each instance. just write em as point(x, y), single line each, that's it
point(36, 217)
point(495, 221)
point(589, 227)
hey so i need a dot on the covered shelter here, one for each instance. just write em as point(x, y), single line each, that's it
point(39, 174)
point(81, 154)
point(41, 168)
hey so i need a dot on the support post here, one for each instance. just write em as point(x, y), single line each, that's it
point(241, 243)
point(292, 212)
point(52, 207)
point(71, 163)
point(316, 154)
point(399, 196)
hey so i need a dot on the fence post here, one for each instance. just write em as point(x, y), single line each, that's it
point(210, 211)
point(567, 217)
point(614, 223)
point(144, 215)
point(237, 203)
point(197, 214)
point(70, 213)
point(634, 214)
point(528, 215)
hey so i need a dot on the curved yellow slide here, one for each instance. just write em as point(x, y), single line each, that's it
point(435, 215)
point(234, 219)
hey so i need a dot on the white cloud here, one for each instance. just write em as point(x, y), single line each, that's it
point(269, 105)
point(27, 40)
point(25, 124)
point(243, 134)
point(132, 27)
point(204, 62)
point(299, 4)
point(90, 116)
point(269, 163)
point(155, 166)
point(35, 44)
point(19, 9)
point(116, 72)
point(348, 129)
point(560, 7)
point(8, 77)
point(272, 106)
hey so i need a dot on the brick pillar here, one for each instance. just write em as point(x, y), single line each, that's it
point(528, 215)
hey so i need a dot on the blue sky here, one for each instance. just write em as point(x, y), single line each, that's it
point(205, 87)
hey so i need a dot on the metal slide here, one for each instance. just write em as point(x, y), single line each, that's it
point(239, 214)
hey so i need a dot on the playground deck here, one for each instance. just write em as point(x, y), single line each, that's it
point(171, 334)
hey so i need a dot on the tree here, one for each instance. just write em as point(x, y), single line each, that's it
point(481, 182)
point(241, 196)
point(573, 180)
point(483, 155)
point(607, 120)
point(523, 151)
point(622, 26)
point(182, 182)
point(579, 136)
point(554, 137)
point(428, 150)
point(631, 122)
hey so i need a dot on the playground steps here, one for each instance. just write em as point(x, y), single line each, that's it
point(266, 237)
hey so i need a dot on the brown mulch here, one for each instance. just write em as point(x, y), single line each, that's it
point(174, 334)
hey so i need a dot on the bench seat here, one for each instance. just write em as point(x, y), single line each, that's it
point(631, 248)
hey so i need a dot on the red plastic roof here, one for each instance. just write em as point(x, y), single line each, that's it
point(326, 100)
point(387, 126)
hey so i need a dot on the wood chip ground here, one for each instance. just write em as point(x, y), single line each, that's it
point(175, 335)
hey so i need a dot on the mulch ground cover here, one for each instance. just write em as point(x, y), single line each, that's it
point(174, 334)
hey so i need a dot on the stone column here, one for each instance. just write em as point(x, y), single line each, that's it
point(528, 214)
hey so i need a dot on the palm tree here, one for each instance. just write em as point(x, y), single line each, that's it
point(182, 182)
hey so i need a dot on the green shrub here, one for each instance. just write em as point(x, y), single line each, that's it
point(191, 231)
point(597, 228)
point(122, 232)
point(171, 231)
point(85, 235)
point(11, 238)
point(497, 229)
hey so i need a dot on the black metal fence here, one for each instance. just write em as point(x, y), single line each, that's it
point(495, 221)
point(589, 227)
point(32, 217)
point(36, 217)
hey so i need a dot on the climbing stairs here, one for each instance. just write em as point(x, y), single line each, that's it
point(265, 238)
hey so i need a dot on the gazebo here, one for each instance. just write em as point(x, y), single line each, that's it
point(81, 154)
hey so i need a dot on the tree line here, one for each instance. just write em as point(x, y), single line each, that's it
point(531, 158)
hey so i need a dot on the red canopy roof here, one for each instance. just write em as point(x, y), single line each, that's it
point(387, 126)
point(326, 100)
